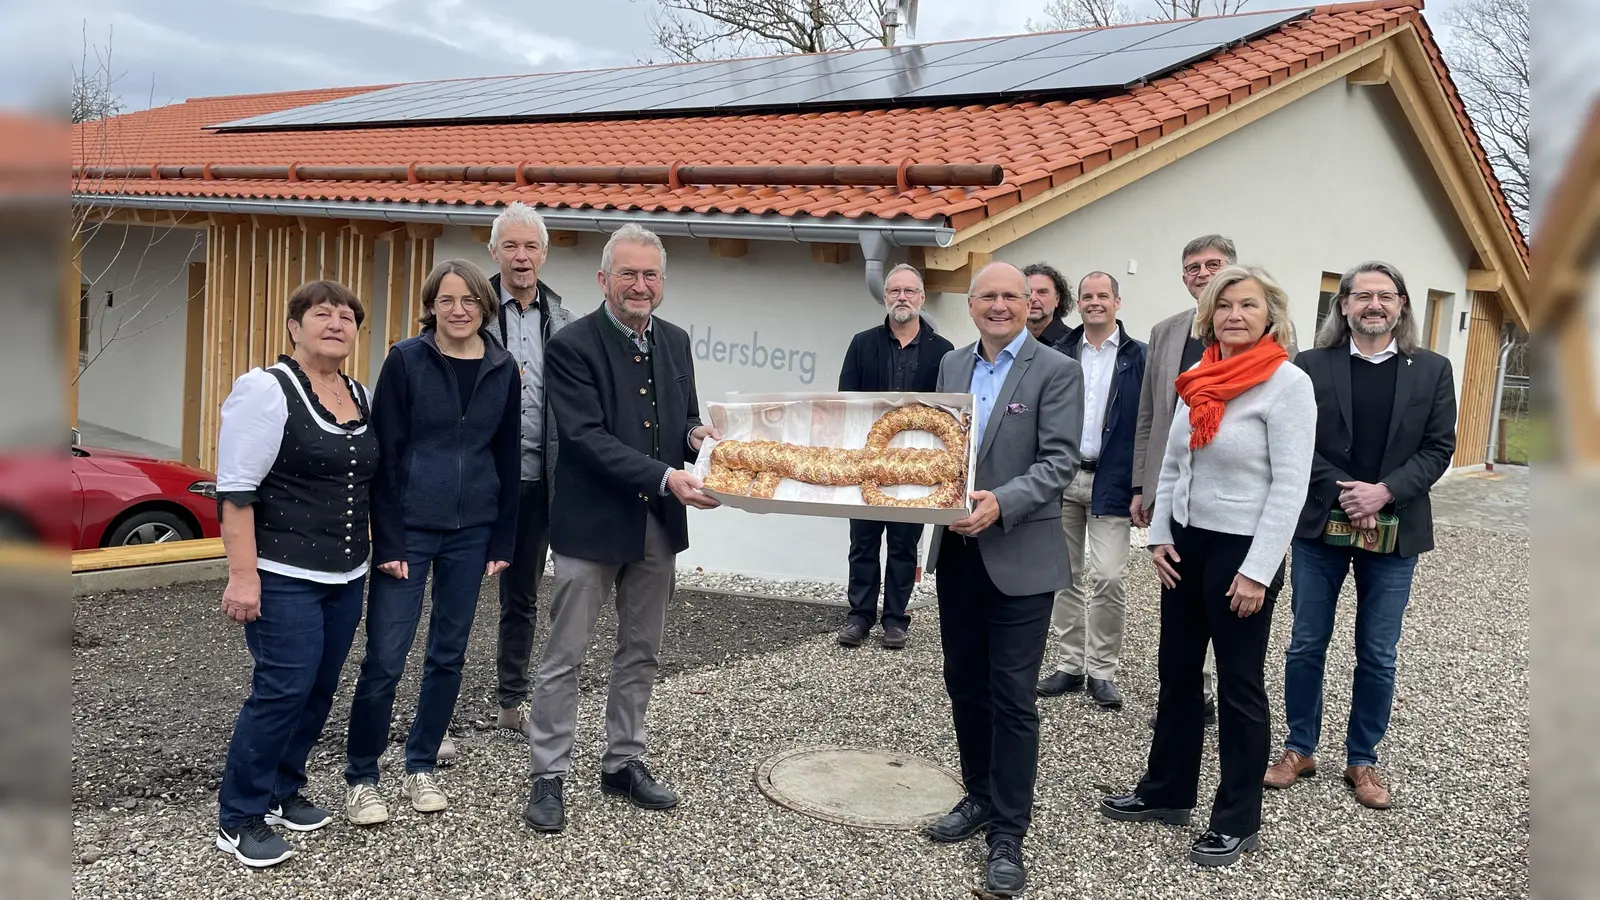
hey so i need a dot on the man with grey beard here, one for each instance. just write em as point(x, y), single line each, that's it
point(902, 354)
point(1386, 431)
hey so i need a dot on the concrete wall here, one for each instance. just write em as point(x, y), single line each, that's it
point(1326, 182)
point(135, 348)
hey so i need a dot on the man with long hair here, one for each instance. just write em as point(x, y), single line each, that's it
point(1386, 431)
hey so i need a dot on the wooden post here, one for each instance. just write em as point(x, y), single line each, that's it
point(362, 254)
point(395, 291)
point(260, 278)
point(194, 361)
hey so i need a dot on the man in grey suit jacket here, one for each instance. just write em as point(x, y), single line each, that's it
point(999, 567)
point(1173, 350)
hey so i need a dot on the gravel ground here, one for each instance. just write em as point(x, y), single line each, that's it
point(157, 680)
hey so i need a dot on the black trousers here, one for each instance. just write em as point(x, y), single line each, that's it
point(519, 594)
point(993, 646)
point(1191, 614)
point(866, 539)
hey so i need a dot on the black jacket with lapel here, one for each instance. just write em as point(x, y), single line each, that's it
point(1422, 440)
point(868, 364)
point(606, 481)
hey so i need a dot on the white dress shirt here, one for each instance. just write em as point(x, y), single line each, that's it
point(1098, 367)
point(1392, 350)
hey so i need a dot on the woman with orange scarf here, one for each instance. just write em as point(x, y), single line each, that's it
point(1234, 477)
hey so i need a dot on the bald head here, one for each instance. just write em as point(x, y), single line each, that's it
point(998, 303)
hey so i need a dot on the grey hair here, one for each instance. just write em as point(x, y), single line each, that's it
point(519, 213)
point(1212, 242)
point(632, 233)
point(1279, 325)
point(905, 267)
point(1335, 329)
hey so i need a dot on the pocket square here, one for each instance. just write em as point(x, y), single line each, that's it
point(1013, 409)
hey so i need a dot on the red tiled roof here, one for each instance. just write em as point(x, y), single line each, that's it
point(1038, 144)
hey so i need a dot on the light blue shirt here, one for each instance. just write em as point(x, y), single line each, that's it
point(989, 377)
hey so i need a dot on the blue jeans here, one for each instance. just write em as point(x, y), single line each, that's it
point(299, 645)
point(394, 607)
point(1383, 587)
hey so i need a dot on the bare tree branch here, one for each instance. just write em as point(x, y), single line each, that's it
point(1487, 49)
point(696, 30)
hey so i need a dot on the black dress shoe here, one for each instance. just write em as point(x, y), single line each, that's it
point(1105, 693)
point(1006, 876)
point(635, 782)
point(851, 635)
point(1060, 683)
point(1131, 808)
point(546, 811)
point(966, 820)
point(1217, 849)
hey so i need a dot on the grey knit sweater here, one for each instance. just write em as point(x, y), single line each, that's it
point(1252, 477)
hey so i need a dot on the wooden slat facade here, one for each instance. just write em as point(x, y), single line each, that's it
point(1477, 380)
point(253, 265)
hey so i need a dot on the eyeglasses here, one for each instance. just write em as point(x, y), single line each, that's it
point(650, 276)
point(1368, 296)
point(903, 292)
point(990, 298)
point(467, 304)
point(1211, 265)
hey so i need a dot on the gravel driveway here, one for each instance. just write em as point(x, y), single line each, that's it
point(158, 677)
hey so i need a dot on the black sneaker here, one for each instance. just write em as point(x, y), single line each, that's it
point(296, 813)
point(255, 844)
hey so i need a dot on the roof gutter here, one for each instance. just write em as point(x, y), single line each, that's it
point(875, 236)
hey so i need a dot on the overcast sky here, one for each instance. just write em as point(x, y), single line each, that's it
point(165, 51)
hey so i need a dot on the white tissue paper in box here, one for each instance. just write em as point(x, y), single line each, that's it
point(833, 420)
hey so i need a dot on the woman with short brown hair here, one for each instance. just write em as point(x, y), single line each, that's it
point(295, 457)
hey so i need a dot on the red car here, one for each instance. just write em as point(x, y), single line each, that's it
point(110, 498)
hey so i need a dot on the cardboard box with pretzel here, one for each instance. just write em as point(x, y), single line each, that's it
point(890, 456)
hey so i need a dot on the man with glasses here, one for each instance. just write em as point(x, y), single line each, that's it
point(1173, 350)
point(1000, 566)
point(622, 384)
point(1386, 432)
point(902, 354)
point(530, 312)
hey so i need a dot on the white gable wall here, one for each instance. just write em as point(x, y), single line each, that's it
point(135, 350)
point(1328, 181)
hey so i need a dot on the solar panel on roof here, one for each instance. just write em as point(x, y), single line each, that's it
point(1035, 65)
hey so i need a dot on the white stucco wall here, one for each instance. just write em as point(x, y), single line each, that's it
point(1324, 183)
point(134, 380)
point(774, 298)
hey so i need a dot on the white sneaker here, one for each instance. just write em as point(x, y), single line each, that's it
point(424, 793)
point(363, 806)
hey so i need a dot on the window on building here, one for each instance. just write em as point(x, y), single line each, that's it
point(1330, 290)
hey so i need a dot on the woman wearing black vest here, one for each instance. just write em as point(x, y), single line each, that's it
point(448, 414)
point(294, 460)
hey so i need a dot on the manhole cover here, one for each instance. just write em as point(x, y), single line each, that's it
point(860, 787)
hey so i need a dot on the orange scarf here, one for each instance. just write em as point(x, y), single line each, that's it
point(1209, 386)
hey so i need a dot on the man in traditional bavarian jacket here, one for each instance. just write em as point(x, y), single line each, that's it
point(621, 382)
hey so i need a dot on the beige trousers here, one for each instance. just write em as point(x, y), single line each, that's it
point(1090, 616)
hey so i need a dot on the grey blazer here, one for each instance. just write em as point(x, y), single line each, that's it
point(1158, 399)
point(1027, 456)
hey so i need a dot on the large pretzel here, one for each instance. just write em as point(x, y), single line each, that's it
point(754, 468)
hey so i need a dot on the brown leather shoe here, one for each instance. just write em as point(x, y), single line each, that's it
point(1370, 792)
point(1289, 768)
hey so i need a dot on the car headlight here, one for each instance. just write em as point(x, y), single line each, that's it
point(204, 489)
